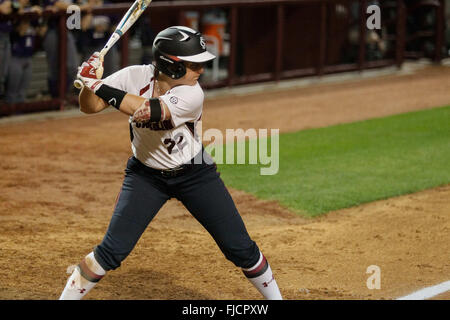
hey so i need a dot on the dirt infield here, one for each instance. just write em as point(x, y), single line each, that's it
point(60, 179)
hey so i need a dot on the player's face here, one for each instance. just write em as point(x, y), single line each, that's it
point(193, 72)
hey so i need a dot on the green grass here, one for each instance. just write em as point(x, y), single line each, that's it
point(336, 167)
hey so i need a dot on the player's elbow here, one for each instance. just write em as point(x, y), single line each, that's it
point(86, 110)
point(90, 103)
point(85, 107)
point(90, 108)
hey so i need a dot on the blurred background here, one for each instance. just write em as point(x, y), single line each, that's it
point(41, 45)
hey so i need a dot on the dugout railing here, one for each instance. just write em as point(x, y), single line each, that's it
point(272, 40)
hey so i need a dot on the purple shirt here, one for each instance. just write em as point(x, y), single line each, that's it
point(47, 3)
point(5, 26)
point(52, 23)
point(23, 46)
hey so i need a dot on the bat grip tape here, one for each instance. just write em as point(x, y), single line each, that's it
point(111, 95)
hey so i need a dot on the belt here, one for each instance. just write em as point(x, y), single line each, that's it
point(167, 173)
point(175, 172)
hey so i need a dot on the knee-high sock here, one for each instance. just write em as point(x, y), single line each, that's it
point(261, 276)
point(84, 277)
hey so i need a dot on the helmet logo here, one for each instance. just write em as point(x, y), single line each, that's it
point(202, 43)
point(185, 36)
point(160, 38)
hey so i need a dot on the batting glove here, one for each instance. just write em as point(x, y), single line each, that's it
point(93, 84)
point(89, 70)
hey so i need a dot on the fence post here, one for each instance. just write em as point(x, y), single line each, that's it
point(362, 34)
point(279, 47)
point(323, 38)
point(62, 61)
point(233, 42)
point(440, 27)
point(401, 28)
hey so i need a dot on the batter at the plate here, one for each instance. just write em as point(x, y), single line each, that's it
point(164, 102)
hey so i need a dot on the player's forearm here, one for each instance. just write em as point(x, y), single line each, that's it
point(145, 110)
point(153, 110)
point(131, 103)
point(93, 100)
point(89, 102)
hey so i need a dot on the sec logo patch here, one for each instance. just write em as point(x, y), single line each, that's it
point(173, 100)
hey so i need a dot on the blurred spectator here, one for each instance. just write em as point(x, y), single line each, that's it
point(95, 32)
point(376, 45)
point(5, 47)
point(51, 47)
point(421, 28)
point(23, 42)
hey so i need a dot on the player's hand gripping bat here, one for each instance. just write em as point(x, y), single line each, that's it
point(127, 21)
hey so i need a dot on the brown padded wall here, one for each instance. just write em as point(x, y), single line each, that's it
point(256, 42)
point(301, 36)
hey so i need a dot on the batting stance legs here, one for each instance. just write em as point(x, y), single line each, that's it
point(143, 193)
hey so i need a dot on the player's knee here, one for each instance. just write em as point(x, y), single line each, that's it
point(119, 241)
point(243, 258)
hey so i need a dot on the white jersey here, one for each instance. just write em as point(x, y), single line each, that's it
point(166, 144)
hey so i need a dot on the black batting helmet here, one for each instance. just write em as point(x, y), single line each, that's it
point(176, 44)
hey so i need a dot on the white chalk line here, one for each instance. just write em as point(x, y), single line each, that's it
point(428, 292)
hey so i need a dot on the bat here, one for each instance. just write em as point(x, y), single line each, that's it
point(127, 21)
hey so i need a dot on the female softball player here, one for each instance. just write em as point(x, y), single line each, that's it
point(164, 102)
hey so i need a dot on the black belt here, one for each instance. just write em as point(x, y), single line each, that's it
point(167, 173)
point(174, 172)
